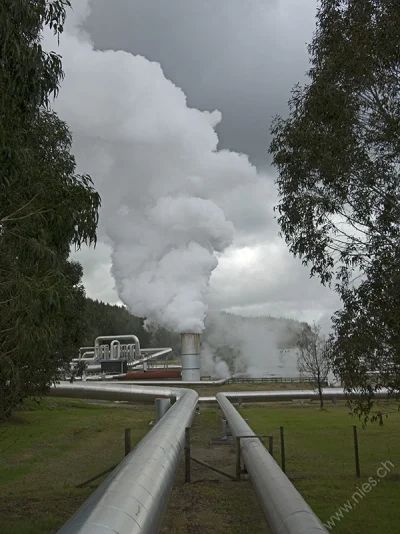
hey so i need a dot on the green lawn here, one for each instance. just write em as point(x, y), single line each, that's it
point(45, 452)
point(320, 462)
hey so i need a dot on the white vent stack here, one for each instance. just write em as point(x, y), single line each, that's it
point(190, 356)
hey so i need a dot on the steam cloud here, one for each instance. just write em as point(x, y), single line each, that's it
point(170, 200)
point(254, 347)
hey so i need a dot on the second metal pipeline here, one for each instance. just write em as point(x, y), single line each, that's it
point(285, 509)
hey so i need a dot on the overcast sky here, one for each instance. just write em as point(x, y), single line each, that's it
point(241, 57)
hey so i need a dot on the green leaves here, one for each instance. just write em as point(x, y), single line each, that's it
point(338, 159)
point(45, 207)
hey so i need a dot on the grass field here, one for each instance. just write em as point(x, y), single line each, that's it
point(320, 462)
point(45, 452)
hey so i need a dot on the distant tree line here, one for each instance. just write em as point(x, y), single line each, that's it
point(94, 318)
point(101, 319)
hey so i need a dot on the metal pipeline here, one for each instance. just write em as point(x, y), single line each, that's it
point(220, 382)
point(285, 509)
point(111, 338)
point(173, 366)
point(248, 396)
point(290, 395)
point(158, 352)
point(85, 349)
point(133, 499)
point(115, 349)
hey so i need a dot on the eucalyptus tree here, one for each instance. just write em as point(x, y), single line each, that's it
point(338, 161)
point(45, 207)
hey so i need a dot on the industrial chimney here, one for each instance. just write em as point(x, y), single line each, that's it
point(190, 356)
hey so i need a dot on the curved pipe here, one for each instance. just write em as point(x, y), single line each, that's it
point(285, 509)
point(115, 348)
point(133, 499)
point(108, 338)
point(83, 351)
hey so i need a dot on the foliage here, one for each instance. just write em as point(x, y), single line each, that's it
point(314, 356)
point(79, 369)
point(101, 319)
point(161, 337)
point(45, 208)
point(338, 157)
point(367, 343)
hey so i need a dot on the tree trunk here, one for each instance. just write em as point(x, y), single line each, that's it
point(321, 398)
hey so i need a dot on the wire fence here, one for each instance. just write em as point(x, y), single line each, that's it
point(271, 379)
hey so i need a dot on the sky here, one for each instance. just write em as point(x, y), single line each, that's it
point(241, 58)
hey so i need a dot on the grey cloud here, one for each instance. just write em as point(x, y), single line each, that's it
point(241, 57)
point(97, 280)
point(273, 281)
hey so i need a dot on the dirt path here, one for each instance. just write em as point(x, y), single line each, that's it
point(212, 503)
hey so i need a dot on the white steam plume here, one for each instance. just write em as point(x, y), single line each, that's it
point(170, 199)
point(252, 346)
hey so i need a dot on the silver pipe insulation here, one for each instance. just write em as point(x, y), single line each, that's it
point(112, 338)
point(240, 396)
point(160, 352)
point(115, 348)
point(173, 382)
point(133, 499)
point(289, 395)
point(85, 349)
point(165, 366)
point(250, 396)
point(285, 509)
point(162, 407)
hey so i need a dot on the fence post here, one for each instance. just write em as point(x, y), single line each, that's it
point(283, 460)
point(356, 455)
point(128, 441)
point(237, 458)
point(187, 454)
point(271, 445)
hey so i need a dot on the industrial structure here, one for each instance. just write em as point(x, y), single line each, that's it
point(122, 357)
point(117, 355)
point(134, 497)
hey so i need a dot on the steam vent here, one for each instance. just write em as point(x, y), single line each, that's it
point(190, 356)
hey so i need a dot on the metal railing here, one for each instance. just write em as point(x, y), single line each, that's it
point(273, 379)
